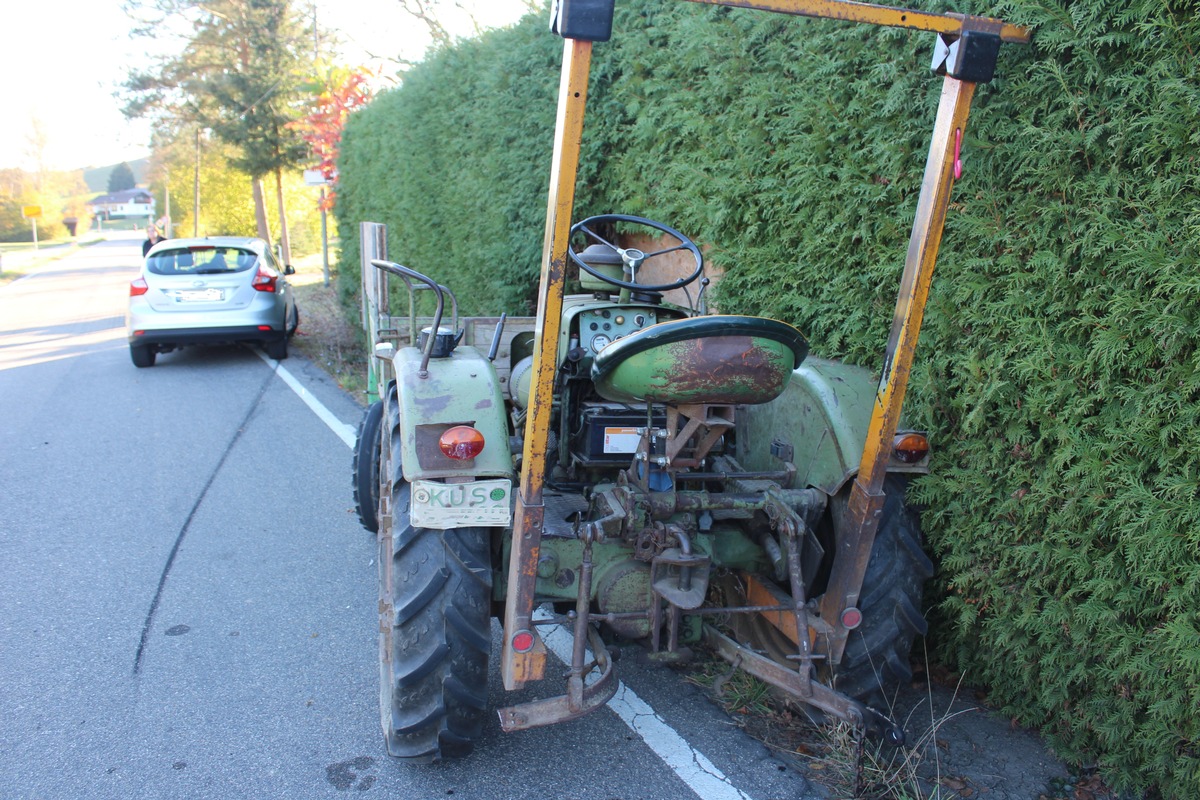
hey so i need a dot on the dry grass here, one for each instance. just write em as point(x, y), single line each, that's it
point(835, 754)
point(326, 336)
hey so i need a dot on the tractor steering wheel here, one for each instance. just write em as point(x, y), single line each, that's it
point(631, 257)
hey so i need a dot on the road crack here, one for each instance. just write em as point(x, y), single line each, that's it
point(187, 524)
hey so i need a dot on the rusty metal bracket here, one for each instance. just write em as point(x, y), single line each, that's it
point(799, 607)
point(561, 709)
point(580, 698)
point(822, 697)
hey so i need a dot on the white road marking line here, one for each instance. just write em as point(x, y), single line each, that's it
point(693, 767)
point(347, 433)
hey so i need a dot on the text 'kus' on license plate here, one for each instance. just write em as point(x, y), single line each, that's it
point(453, 505)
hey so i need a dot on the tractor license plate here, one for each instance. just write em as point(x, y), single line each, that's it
point(456, 505)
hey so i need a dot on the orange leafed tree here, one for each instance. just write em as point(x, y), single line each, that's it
point(338, 92)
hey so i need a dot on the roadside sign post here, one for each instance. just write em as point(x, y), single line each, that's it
point(32, 213)
point(314, 177)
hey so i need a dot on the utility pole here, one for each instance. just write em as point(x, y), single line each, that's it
point(321, 202)
point(196, 190)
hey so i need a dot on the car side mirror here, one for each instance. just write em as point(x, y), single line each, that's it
point(289, 270)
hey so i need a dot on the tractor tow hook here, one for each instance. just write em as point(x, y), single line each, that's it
point(581, 698)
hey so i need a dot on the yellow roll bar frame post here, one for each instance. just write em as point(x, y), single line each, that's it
point(865, 505)
point(516, 668)
point(866, 499)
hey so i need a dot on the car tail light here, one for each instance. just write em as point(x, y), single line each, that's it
point(138, 287)
point(264, 279)
point(462, 442)
point(910, 447)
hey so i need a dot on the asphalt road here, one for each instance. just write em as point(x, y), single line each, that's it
point(187, 603)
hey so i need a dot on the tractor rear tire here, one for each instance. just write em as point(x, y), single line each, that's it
point(364, 470)
point(435, 630)
point(876, 658)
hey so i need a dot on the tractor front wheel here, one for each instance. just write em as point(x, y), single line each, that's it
point(435, 630)
point(364, 470)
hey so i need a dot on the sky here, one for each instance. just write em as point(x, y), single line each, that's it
point(62, 60)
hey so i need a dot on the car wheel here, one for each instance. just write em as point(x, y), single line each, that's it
point(277, 349)
point(291, 331)
point(142, 355)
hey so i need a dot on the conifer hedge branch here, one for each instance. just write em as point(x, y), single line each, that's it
point(1058, 372)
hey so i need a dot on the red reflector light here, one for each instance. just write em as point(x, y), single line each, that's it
point(851, 618)
point(461, 442)
point(264, 279)
point(264, 327)
point(910, 447)
point(522, 641)
point(138, 287)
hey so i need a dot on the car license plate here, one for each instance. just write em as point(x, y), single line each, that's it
point(456, 505)
point(200, 295)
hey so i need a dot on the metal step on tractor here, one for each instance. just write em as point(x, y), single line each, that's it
point(640, 470)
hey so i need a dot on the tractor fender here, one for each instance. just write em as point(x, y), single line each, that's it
point(819, 423)
point(460, 389)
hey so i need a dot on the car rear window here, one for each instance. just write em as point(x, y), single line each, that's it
point(200, 260)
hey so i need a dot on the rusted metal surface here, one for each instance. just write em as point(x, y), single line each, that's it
point(857, 536)
point(766, 595)
point(726, 369)
point(559, 709)
point(706, 423)
point(517, 668)
point(658, 364)
point(879, 15)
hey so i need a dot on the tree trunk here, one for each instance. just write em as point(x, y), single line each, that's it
point(196, 190)
point(260, 211)
point(285, 240)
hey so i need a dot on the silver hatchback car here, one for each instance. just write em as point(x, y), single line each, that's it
point(210, 291)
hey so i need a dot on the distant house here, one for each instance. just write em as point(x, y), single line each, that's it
point(126, 203)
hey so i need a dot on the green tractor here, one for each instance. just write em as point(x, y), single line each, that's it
point(636, 469)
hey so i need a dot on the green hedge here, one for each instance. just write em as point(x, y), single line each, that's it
point(455, 163)
point(1058, 370)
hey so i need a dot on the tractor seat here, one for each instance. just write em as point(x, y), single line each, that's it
point(720, 359)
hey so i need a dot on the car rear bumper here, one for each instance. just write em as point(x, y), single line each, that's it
point(143, 325)
point(225, 335)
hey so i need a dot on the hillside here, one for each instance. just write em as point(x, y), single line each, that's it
point(97, 177)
